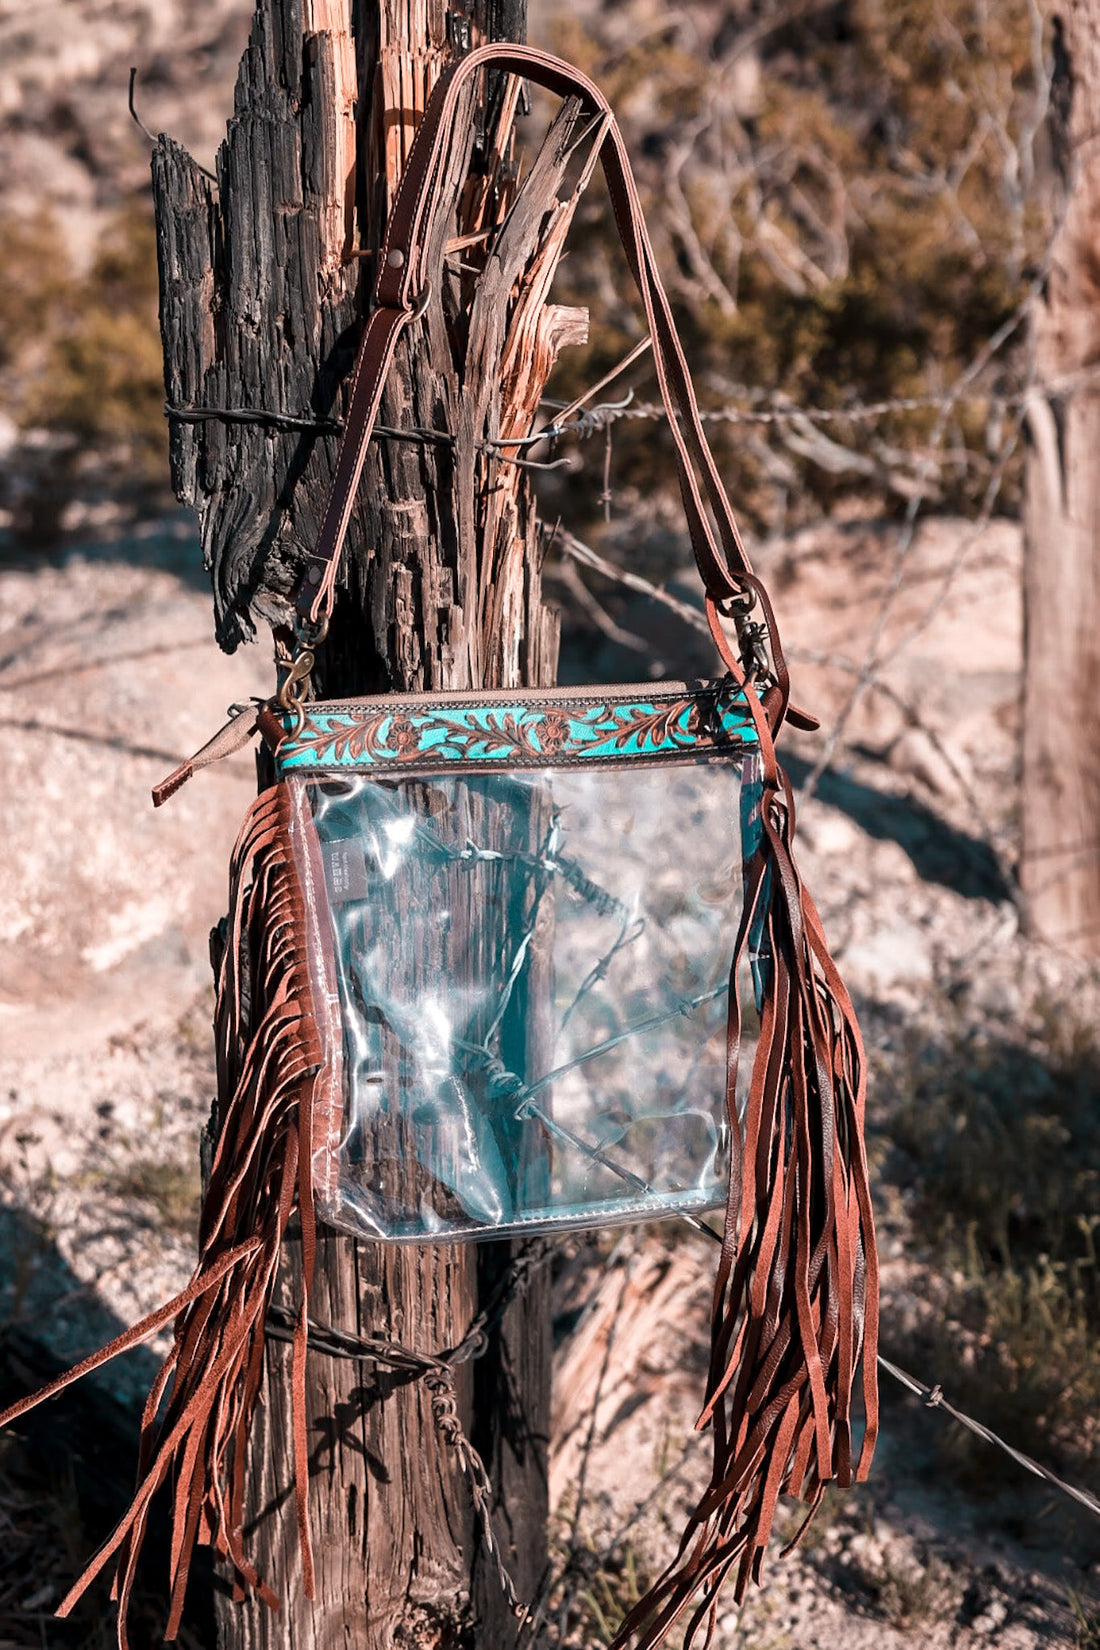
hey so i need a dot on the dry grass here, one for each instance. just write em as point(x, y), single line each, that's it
point(1086, 1621)
point(998, 1158)
point(824, 239)
point(172, 1188)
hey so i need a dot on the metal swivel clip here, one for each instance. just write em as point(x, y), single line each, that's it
point(753, 636)
point(295, 686)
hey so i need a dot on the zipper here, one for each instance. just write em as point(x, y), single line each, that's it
point(582, 693)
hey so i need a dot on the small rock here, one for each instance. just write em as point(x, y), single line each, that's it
point(992, 1618)
point(828, 832)
point(996, 996)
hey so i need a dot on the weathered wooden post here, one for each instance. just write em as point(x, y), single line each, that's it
point(264, 281)
point(1060, 866)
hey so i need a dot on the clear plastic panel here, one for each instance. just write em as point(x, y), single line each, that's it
point(524, 979)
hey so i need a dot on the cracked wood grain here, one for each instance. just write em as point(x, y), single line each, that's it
point(262, 289)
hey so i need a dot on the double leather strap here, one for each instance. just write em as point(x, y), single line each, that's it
point(406, 281)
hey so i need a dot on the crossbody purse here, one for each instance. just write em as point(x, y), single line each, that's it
point(481, 976)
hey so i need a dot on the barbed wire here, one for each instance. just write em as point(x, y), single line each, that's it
point(857, 412)
point(933, 1397)
point(785, 412)
point(437, 1372)
point(582, 421)
point(590, 421)
point(441, 1385)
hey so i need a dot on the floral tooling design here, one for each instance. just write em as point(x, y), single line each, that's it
point(527, 733)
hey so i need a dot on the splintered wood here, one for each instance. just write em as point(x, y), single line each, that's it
point(330, 45)
point(265, 282)
point(410, 57)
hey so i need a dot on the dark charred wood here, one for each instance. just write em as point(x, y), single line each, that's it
point(261, 308)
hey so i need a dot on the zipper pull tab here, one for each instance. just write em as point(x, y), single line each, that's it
point(243, 723)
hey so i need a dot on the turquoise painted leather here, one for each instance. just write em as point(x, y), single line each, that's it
point(526, 732)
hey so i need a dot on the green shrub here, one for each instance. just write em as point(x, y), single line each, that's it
point(854, 227)
point(102, 380)
point(80, 364)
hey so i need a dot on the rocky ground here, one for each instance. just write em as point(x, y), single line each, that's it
point(105, 982)
point(109, 676)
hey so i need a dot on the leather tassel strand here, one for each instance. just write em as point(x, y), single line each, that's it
point(796, 1297)
point(268, 1058)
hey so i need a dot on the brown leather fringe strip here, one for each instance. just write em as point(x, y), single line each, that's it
point(796, 1297)
point(268, 1057)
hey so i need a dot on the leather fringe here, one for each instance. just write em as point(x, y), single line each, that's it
point(796, 1297)
point(268, 1057)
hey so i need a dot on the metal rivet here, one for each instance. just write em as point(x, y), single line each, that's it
point(396, 258)
point(314, 575)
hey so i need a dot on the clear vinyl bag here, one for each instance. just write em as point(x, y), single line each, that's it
point(474, 980)
point(521, 967)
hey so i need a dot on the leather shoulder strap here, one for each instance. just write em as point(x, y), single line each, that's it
point(403, 277)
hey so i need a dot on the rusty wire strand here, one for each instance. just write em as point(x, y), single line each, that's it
point(437, 1372)
point(373, 1349)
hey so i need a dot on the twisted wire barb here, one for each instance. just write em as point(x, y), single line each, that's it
point(933, 1398)
point(437, 1372)
point(441, 1385)
point(584, 422)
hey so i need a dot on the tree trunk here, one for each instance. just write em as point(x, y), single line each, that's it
point(1060, 865)
point(263, 281)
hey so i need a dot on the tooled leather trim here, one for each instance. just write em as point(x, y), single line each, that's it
point(379, 737)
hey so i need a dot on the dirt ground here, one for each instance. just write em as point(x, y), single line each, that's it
point(109, 677)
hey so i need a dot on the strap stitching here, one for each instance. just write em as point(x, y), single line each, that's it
point(340, 505)
point(672, 370)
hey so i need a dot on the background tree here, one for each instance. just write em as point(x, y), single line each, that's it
point(1060, 791)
